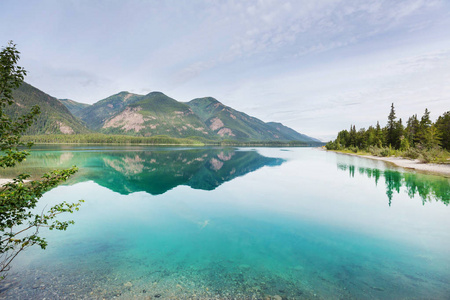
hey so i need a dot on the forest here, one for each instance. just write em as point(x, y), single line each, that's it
point(100, 138)
point(417, 139)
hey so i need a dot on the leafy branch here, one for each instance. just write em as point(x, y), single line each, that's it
point(19, 223)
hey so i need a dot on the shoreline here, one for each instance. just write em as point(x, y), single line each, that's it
point(409, 164)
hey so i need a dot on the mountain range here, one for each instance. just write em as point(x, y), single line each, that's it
point(148, 115)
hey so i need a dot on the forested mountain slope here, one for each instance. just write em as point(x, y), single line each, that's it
point(54, 116)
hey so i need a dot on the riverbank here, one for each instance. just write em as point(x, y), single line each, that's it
point(412, 164)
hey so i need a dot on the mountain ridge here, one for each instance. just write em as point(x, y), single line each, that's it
point(55, 117)
point(152, 114)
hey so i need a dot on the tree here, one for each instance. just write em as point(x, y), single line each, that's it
point(378, 136)
point(391, 128)
point(412, 130)
point(398, 134)
point(443, 127)
point(428, 135)
point(19, 222)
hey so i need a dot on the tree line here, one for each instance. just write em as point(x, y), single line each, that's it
point(99, 138)
point(418, 138)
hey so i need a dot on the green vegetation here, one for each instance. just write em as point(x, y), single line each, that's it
point(151, 115)
point(73, 106)
point(420, 139)
point(99, 138)
point(228, 123)
point(19, 222)
point(54, 116)
point(95, 115)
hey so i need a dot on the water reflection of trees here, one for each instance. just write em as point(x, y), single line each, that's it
point(428, 188)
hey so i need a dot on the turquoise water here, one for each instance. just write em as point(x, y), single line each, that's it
point(243, 223)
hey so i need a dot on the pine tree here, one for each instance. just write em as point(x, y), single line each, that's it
point(443, 129)
point(424, 135)
point(412, 130)
point(391, 128)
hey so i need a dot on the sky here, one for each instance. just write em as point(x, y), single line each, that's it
point(317, 66)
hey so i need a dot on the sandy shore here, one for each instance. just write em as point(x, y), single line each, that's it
point(438, 169)
point(6, 180)
point(3, 181)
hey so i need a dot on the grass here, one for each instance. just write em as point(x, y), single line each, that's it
point(425, 155)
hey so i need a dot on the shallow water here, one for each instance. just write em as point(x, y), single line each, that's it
point(238, 223)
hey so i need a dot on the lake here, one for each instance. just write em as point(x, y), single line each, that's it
point(245, 223)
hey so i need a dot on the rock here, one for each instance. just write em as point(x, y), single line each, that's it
point(277, 297)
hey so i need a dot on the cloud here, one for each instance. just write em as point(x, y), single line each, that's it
point(267, 31)
point(312, 64)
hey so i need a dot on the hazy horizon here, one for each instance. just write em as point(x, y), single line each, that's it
point(316, 67)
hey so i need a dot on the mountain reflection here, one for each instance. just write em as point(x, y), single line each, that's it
point(154, 171)
point(429, 188)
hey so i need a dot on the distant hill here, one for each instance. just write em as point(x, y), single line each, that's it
point(73, 106)
point(54, 118)
point(231, 124)
point(291, 134)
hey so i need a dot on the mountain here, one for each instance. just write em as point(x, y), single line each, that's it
point(291, 134)
point(97, 114)
point(73, 106)
point(232, 124)
point(54, 118)
point(157, 114)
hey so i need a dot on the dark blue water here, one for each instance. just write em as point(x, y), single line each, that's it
point(239, 223)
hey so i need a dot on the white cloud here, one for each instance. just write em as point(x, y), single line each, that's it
point(315, 65)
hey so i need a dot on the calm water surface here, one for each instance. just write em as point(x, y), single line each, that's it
point(241, 223)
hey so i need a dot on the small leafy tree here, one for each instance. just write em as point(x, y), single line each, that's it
point(19, 222)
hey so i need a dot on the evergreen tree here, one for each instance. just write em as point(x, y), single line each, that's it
point(391, 128)
point(398, 134)
point(379, 138)
point(443, 129)
point(412, 130)
point(424, 135)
